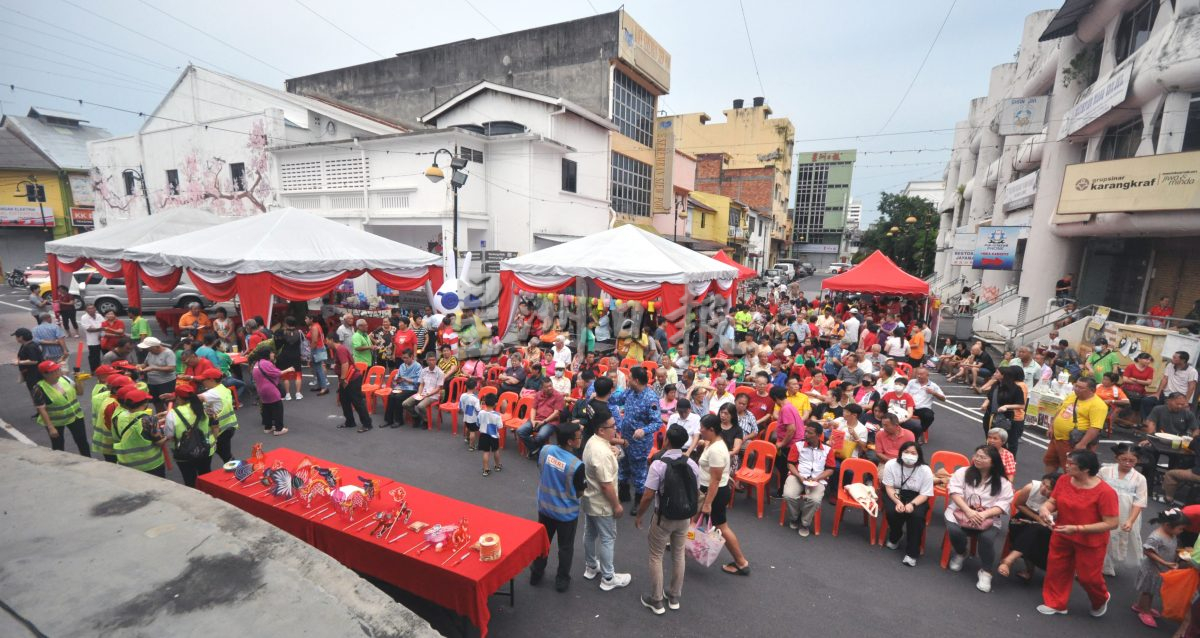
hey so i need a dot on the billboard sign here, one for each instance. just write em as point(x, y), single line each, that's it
point(996, 248)
point(17, 215)
point(662, 187)
point(1024, 115)
point(1152, 183)
point(1097, 101)
point(963, 250)
point(1019, 193)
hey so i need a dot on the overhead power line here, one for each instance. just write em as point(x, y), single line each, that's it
point(750, 41)
point(214, 38)
point(487, 19)
point(343, 31)
point(920, 67)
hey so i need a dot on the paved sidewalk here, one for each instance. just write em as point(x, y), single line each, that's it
point(94, 549)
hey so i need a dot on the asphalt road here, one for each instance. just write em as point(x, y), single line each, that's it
point(837, 586)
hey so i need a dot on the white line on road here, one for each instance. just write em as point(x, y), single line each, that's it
point(15, 305)
point(16, 434)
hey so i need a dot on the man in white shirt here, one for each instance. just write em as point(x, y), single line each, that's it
point(923, 391)
point(721, 394)
point(429, 390)
point(561, 354)
point(1177, 377)
point(92, 325)
point(688, 420)
point(853, 326)
point(1031, 368)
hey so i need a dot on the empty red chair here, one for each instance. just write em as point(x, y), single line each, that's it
point(457, 386)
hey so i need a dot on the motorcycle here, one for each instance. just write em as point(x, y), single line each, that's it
point(16, 278)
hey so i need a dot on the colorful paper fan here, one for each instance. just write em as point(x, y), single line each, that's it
point(281, 483)
point(302, 470)
point(243, 471)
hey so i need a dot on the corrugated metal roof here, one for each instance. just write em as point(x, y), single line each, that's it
point(1066, 20)
point(66, 146)
point(65, 115)
point(15, 153)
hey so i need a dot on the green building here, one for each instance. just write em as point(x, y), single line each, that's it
point(818, 218)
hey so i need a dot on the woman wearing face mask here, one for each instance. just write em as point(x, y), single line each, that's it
point(980, 498)
point(908, 482)
point(1027, 534)
point(865, 394)
point(1125, 542)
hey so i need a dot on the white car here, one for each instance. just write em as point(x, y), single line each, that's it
point(839, 267)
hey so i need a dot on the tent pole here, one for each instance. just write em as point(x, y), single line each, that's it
point(581, 311)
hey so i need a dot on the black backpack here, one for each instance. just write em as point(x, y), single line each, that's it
point(679, 494)
point(193, 445)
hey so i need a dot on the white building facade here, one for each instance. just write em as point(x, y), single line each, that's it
point(205, 146)
point(1085, 149)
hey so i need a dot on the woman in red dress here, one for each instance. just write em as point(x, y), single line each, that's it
point(1081, 511)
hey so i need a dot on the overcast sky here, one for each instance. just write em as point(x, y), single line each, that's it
point(836, 67)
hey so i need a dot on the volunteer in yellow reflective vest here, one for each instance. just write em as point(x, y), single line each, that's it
point(104, 415)
point(137, 440)
point(218, 403)
point(59, 409)
point(189, 413)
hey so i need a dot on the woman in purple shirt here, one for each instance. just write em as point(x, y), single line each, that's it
point(266, 381)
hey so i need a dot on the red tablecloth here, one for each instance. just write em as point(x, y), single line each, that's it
point(464, 587)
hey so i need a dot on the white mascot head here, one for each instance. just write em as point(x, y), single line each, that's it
point(446, 299)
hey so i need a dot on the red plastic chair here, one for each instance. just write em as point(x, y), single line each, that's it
point(372, 381)
point(904, 369)
point(628, 362)
point(602, 368)
point(383, 392)
point(951, 461)
point(758, 474)
point(972, 549)
point(650, 367)
point(450, 405)
point(768, 432)
point(362, 367)
point(492, 376)
point(862, 470)
point(518, 413)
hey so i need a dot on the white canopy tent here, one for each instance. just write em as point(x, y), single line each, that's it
point(289, 253)
point(625, 262)
point(105, 248)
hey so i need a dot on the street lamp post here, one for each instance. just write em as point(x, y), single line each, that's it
point(141, 178)
point(457, 179)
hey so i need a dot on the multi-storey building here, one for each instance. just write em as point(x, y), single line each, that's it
point(818, 216)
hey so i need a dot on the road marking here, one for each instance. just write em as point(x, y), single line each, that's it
point(16, 434)
point(966, 396)
point(15, 305)
point(1026, 437)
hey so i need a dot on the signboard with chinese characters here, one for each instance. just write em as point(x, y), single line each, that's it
point(636, 48)
point(996, 248)
point(963, 250)
point(662, 187)
point(1023, 115)
point(1019, 193)
point(1096, 101)
point(82, 218)
point(16, 215)
point(822, 157)
point(824, 249)
point(1151, 183)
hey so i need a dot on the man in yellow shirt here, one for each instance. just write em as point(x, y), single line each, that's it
point(797, 398)
point(1081, 411)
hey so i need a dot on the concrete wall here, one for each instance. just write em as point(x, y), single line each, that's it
point(570, 60)
point(138, 555)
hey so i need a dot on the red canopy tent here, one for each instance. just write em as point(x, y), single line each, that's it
point(744, 272)
point(877, 275)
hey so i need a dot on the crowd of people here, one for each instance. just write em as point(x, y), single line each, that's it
point(820, 382)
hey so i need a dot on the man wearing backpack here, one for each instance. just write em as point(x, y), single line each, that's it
point(673, 486)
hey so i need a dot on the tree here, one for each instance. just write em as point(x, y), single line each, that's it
point(914, 246)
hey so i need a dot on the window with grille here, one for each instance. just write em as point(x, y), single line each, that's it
point(1191, 134)
point(1134, 29)
point(1121, 141)
point(630, 186)
point(570, 172)
point(300, 176)
point(633, 109)
point(470, 154)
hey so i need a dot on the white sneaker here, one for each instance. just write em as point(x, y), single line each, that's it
point(804, 532)
point(299, 396)
point(956, 562)
point(1100, 611)
point(287, 397)
point(617, 580)
point(590, 573)
point(984, 584)
point(891, 545)
point(1050, 611)
point(909, 560)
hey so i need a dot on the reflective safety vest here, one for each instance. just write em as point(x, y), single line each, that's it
point(102, 425)
point(190, 416)
point(63, 406)
point(556, 490)
point(99, 393)
point(227, 418)
point(132, 448)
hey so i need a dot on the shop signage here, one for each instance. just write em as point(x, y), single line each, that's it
point(996, 248)
point(823, 249)
point(82, 217)
point(1137, 184)
point(1096, 101)
point(1019, 193)
point(498, 255)
point(1024, 115)
point(662, 178)
point(17, 215)
point(963, 251)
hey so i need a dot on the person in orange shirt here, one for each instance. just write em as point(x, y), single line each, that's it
point(194, 320)
point(1110, 392)
point(916, 347)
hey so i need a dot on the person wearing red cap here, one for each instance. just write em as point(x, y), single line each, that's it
point(104, 405)
point(136, 437)
point(189, 413)
point(100, 391)
point(218, 403)
point(58, 406)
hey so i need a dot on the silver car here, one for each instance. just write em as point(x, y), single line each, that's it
point(108, 293)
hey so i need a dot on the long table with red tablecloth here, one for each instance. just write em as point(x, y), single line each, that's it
point(463, 587)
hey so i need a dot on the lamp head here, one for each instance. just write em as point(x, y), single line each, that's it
point(910, 220)
point(435, 174)
point(458, 178)
point(458, 163)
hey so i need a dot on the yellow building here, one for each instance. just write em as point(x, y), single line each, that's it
point(747, 158)
point(716, 222)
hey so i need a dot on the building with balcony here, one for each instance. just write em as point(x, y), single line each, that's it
point(607, 64)
point(748, 157)
point(821, 205)
point(1085, 157)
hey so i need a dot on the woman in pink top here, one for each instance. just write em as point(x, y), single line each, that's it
point(266, 381)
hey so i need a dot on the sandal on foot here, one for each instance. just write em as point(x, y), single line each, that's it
point(1153, 612)
point(487, 473)
point(1147, 620)
point(498, 467)
point(732, 568)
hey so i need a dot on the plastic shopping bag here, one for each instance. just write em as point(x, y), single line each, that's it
point(1178, 587)
point(704, 542)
